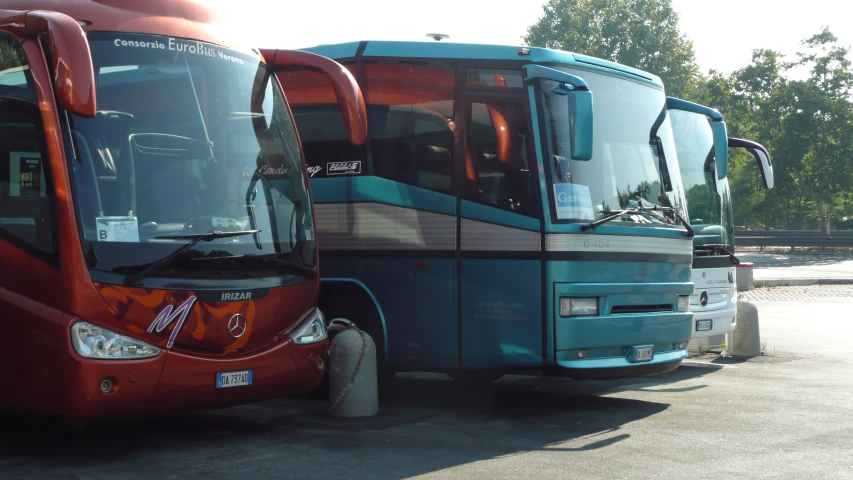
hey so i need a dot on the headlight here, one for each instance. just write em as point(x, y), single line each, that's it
point(578, 307)
point(683, 303)
point(312, 331)
point(92, 341)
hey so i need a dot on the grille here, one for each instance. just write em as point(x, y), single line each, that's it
point(623, 309)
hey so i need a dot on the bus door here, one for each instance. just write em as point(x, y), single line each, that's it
point(500, 288)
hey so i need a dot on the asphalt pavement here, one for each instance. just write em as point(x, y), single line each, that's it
point(786, 414)
point(777, 269)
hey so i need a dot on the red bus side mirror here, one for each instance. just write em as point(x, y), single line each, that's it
point(71, 58)
point(347, 92)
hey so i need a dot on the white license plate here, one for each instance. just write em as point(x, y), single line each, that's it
point(234, 379)
point(643, 354)
point(703, 325)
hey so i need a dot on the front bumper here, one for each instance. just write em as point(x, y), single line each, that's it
point(609, 368)
point(176, 381)
point(601, 346)
point(723, 321)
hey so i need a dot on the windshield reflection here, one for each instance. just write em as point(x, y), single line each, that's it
point(190, 138)
point(634, 162)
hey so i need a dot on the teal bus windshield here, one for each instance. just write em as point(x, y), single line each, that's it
point(634, 159)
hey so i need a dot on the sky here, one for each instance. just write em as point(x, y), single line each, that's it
point(724, 32)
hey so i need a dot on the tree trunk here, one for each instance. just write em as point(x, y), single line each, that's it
point(821, 208)
point(824, 218)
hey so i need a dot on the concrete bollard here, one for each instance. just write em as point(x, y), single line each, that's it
point(746, 339)
point(353, 388)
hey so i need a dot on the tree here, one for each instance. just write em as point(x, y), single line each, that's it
point(821, 124)
point(805, 124)
point(640, 33)
point(755, 110)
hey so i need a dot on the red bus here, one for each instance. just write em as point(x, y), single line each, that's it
point(157, 243)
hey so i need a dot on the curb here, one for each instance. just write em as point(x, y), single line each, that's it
point(801, 282)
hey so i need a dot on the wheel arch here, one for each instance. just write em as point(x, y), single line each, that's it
point(352, 286)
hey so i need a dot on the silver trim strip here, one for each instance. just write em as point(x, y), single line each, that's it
point(375, 226)
point(490, 237)
point(585, 242)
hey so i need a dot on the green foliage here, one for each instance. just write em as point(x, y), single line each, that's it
point(639, 33)
point(806, 125)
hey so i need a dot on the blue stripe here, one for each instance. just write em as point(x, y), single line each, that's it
point(484, 213)
point(381, 190)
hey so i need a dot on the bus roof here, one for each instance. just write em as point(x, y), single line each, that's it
point(188, 19)
point(470, 51)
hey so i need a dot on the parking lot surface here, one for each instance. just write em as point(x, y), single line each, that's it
point(800, 266)
point(786, 414)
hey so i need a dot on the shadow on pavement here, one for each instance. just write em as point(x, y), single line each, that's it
point(426, 423)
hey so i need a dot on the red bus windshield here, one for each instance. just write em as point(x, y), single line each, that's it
point(178, 122)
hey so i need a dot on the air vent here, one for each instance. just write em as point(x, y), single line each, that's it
point(624, 309)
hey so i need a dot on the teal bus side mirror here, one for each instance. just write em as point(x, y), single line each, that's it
point(580, 106)
point(581, 124)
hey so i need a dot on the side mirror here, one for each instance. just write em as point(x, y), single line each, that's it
point(71, 58)
point(721, 153)
point(580, 122)
point(761, 156)
point(580, 106)
point(347, 91)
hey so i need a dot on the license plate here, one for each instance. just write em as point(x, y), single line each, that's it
point(233, 379)
point(643, 354)
point(703, 325)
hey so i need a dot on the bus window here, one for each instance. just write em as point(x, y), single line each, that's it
point(490, 77)
point(325, 144)
point(410, 111)
point(27, 202)
point(498, 172)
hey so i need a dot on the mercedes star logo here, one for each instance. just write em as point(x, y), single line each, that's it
point(237, 326)
point(703, 299)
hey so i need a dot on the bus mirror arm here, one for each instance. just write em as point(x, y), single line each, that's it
point(347, 92)
point(761, 156)
point(74, 74)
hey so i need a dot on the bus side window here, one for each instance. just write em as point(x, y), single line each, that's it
point(410, 111)
point(27, 201)
point(320, 125)
point(498, 172)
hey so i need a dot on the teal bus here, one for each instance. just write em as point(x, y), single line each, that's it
point(702, 143)
point(514, 209)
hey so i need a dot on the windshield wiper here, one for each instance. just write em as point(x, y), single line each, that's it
point(272, 258)
point(718, 248)
point(195, 238)
point(639, 211)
